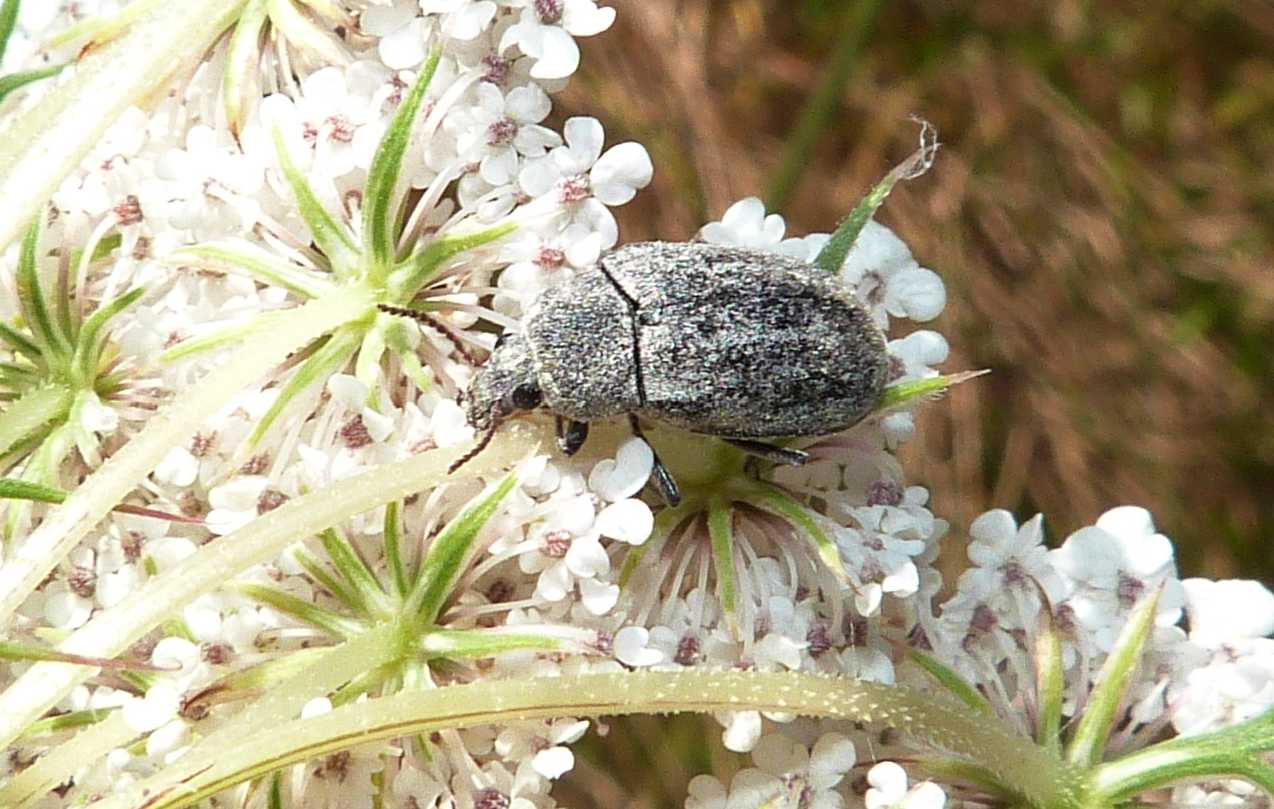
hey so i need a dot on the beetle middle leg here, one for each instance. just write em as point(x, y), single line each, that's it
point(769, 452)
point(659, 474)
point(570, 435)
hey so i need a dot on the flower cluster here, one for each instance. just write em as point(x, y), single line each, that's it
point(395, 157)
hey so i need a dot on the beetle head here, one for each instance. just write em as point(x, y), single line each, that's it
point(504, 385)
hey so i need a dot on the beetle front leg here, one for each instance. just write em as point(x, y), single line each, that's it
point(660, 477)
point(571, 437)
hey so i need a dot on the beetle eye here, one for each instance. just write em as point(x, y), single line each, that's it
point(526, 396)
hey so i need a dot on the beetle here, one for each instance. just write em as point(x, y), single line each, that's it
point(738, 343)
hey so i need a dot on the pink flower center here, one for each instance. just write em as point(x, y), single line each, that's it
point(573, 189)
point(550, 258)
point(549, 11)
point(502, 132)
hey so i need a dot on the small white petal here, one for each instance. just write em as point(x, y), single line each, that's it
point(379, 426)
point(553, 762)
point(558, 56)
point(178, 468)
point(598, 597)
point(627, 520)
point(620, 172)
point(155, 709)
point(348, 390)
point(918, 294)
point(742, 732)
point(316, 707)
point(627, 474)
point(632, 647)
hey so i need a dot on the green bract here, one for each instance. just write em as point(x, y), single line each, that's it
point(381, 262)
point(61, 364)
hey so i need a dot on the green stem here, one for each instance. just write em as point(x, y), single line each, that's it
point(823, 105)
point(112, 630)
point(71, 118)
point(1037, 776)
point(63, 759)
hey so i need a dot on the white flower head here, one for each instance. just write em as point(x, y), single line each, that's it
point(546, 31)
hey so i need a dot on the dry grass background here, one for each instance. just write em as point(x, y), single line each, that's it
point(1101, 212)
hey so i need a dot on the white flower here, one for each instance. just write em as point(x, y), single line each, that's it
point(462, 19)
point(889, 790)
point(577, 181)
point(1110, 566)
point(880, 268)
point(497, 131)
point(546, 30)
point(745, 224)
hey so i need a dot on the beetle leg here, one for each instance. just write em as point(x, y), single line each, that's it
point(571, 437)
point(769, 452)
point(660, 477)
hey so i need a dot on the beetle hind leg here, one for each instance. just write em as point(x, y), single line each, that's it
point(769, 452)
point(660, 477)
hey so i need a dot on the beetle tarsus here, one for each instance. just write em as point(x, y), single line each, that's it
point(571, 435)
point(660, 477)
point(769, 452)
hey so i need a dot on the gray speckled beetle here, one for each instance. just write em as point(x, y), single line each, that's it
point(725, 341)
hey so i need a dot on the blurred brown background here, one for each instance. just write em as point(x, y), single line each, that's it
point(1102, 212)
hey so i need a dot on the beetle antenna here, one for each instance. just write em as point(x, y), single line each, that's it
point(437, 324)
point(471, 454)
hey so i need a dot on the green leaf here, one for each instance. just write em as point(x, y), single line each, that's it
point(22, 345)
point(946, 677)
point(67, 721)
point(412, 274)
point(903, 394)
point(1095, 725)
point(477, 644)
point(16, 489)
point(328, 233)
point(31, 299)
point(382, 197)
point(393, 547)
point(16, 81)
point(339, 590)
point(353, 568)
point(396, 336)
point(101, 250)
point(833, 254)
point(245, 258)
point(338, 626)
point(779, 503)
point(721, 534)
point(217, 339)
point(32, 412)
point(8, 21)
point(1050, 678)
point(88, 349)
point(447, 555)
point(239, 84)
point(332, 356)
point(1237, 751)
